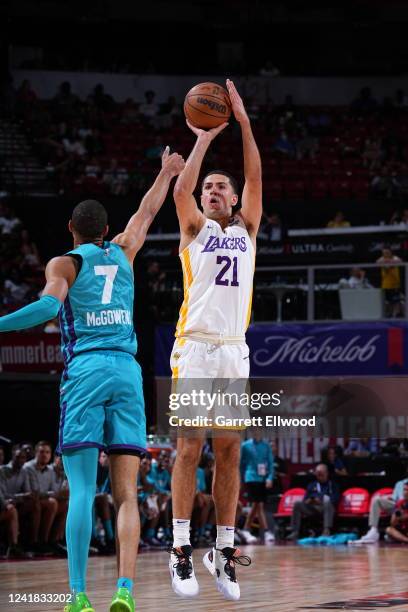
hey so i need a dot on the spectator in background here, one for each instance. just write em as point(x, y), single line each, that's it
point(8, 515)
point(335, 463)
point(384, 183)
point(398, 530)
point(284, 145)
point(72, 144)
point(2, 456)
point(148, 502)
point(101, 100)
point(28, 448)
point(365, 103)
point(372, 153)
point(321, 498)
point(362, 447)
point(257, 472)
point(149, 109)
point(65, 103)
point(103, 509)
point(117, 178)
point(399, 217)
point(356, 280)
point(130, 112)
point(92, 168)
point(161, 478)
point(156, 150)
point(391, 282)
point(15, 487)
point(273, 227)
point(280, 469)
point(43, 482)
point(9, 222)
point(170, 111)
point(379, 504)
point(52, 327)
point(338, 221)
point(269, 69)
point(26, 97)
point(15, 287)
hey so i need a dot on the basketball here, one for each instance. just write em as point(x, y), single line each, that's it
point(207, 105)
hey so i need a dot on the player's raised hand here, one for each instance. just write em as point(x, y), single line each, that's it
point(173, 164)
point(207, 135)
point(237, 104)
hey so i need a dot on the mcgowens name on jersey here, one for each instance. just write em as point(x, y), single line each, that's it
point(109, 317)
point(230, 244)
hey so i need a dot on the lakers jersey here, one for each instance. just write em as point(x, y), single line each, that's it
point(218, 270)
point(97, 313)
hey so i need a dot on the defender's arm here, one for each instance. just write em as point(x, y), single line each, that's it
point(132, 239)
point(60, 273)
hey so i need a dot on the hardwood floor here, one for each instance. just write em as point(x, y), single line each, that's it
point(280, 579)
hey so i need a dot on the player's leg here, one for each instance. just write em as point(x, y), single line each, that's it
point(221, 561)
point(183, 489)
point(125, 439)
point(396, 535)
point(123, 473)
point(80, 467)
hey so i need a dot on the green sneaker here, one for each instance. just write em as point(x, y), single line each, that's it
point(122, 601)
point(80, 604)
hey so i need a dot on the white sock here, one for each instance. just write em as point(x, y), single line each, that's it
point(181, 532)
point(225, 536)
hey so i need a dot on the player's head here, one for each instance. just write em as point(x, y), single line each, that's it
point(89, 221)
point(219, 193)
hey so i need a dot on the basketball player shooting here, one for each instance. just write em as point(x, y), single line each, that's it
point(217, 251)
point(102, 406)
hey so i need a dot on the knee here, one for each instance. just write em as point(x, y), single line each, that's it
point(190, 452)
point(228, 453)
point(50, 504)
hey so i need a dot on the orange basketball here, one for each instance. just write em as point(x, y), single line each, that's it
point(207, 105)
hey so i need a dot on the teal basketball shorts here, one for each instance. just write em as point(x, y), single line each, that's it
point(102, 404)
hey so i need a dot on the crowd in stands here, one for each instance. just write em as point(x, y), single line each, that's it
point(21, 268)
point(34, 496)
point(98, 145)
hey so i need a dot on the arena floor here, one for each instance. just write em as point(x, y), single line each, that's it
point(281, 578)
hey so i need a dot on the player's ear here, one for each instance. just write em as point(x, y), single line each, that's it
point(234, 200)
point(106, 230)
point(70, 226)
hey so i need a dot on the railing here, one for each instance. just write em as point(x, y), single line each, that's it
point(282, 281)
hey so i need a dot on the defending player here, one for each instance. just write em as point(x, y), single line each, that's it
point(217, 251)
point(102, 405)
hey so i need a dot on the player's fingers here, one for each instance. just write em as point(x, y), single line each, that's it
point(166, 153)
point(221, 127)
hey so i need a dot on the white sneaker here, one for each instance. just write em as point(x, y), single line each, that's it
point(181, 568)
point(247, 536)
point(269, 537)
point(371, 537)
point(221, 564)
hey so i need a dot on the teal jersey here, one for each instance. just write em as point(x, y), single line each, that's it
point(97, 314)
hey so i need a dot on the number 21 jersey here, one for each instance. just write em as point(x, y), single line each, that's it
point(218, 270)
point(97, 313)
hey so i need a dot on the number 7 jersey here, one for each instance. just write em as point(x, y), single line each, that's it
point(218, 270)
point(97, 314)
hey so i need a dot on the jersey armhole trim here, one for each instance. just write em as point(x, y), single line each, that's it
point(195, 238)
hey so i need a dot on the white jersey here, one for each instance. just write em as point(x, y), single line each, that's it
point(218, 270)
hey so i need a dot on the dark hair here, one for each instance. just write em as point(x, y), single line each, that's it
point(43, 443)
point(234, 182)
point(89, 219)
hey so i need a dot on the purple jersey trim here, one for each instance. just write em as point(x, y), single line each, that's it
point(126, 447)
point(74, 445)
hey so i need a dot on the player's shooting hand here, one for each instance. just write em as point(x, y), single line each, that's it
point(237, 104)
point(172, 164)
point(207, 135)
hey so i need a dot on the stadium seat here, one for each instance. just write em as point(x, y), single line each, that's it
point(354, 503)
point(288, 500)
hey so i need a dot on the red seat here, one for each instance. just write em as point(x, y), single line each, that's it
point(360, 189)
point(319, 189)
point(295, 190)
point(354, 502)
point(288, 500)
point(274, 189)
point(384, 492)
point(340, 189)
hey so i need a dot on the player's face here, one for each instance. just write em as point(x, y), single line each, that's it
point(218, 197)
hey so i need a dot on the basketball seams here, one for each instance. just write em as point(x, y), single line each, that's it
point(204, 112)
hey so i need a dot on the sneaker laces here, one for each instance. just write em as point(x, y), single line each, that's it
point(183, 565)
point(232, 557)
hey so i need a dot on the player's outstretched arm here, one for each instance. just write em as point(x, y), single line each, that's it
point(60, 273)
point(190, 217)
point(132, 239)
point(252, 195)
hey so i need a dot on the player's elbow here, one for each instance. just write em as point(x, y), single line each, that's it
point(181, 192)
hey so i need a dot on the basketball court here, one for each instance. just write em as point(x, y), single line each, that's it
point(282, 578)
